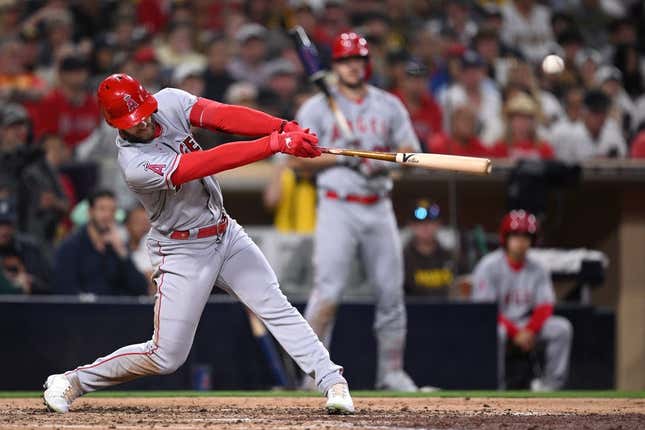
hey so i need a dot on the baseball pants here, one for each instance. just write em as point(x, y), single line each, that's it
point(343, 231)
point(186, 270)
point(557, 334)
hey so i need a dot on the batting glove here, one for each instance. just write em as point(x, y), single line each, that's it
point(290, 126)
point(298, 143)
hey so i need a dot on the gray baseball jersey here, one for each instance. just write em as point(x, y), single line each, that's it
point(186, 270)
point(347, 229)
point(517, 292)
point(380, 122)
point(148, 167)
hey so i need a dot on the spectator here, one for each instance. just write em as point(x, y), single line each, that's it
point(474, 90)
point(95, 259)
point(622, 107)
point(592, 21)
point(216, 76)
point(521, 140)
point(573, 104)
point(588, 61)
point(594, 136)
point(425, 113)
point(522, 79)
point(70, 110)
point(17, 83)
point(429, 268)
point(24, 264)
point(15, 151)
point(137, 225)
point(626, 59)
point(248, 64)
point(524, 294)
point(146, 68)
point(280, 87)
point(189, 77)
point(527, 25)
point(457, 22)
point(178, 48)
point(48, 193)
point(462, 139)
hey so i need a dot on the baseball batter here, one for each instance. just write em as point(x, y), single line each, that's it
point(355, 215)
point(524, 293)
point(193, 243)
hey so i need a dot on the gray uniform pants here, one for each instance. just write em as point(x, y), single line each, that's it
point(186, 270)
point(344, 229)
point(557, 334)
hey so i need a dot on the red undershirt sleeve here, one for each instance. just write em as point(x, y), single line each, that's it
point(540, 315)
point(199, 164)
point(511, 329)
point(233, 119)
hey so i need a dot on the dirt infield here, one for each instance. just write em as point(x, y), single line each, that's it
point(307, 413)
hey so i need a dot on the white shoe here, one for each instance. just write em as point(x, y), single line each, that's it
point(539, 386)
point(59, 393)
point(339, 401)
point(397, 380)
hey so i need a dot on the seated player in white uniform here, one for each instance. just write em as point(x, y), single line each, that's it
point(523, 291)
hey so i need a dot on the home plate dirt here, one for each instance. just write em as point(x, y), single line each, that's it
point(255, 413)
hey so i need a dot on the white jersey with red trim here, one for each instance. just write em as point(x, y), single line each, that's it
point(516, 291)
point(148, 167)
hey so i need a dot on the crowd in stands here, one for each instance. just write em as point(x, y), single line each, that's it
point(469, 73)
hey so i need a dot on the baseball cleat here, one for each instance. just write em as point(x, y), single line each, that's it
point(397, 380)
point(59, 393)
point(339, 401)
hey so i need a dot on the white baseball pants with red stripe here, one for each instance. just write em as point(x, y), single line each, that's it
point(186, 270)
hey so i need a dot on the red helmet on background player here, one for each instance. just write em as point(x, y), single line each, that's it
point(518, 222)
point(124, 102)
point(350, 44)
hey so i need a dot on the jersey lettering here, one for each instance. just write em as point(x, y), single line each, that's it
point(191, 144)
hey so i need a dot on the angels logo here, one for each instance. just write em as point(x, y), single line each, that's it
point(157, 168)
point(130, 103)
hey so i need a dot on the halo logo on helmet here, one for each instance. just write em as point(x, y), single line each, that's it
point(349, 45)
point(131, 104)
point(124, 102)
point(518, 222)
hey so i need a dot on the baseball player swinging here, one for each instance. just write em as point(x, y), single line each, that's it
point(355, 212)
point(193, 243)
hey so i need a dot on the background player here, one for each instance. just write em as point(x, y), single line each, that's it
point(355, 212)
point(193, 243)
point(523, 290)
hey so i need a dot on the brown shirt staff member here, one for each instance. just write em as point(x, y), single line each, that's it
point(429, 269)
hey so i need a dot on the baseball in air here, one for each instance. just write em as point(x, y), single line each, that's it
point(552, 64)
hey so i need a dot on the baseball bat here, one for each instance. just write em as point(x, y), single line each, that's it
point(455, 163)
point(310, 60)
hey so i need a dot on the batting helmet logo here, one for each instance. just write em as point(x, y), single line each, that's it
point(124, 102)
point(349, 45)
point(131, 104)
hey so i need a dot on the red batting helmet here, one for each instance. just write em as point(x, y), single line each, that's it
point(349, 45)
point(124, 102)
point(518, 222)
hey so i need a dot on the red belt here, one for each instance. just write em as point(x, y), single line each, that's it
point(211, 230)
point(364, 200)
